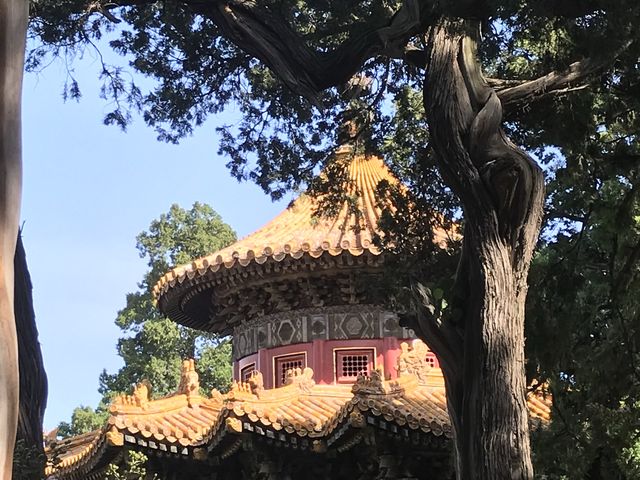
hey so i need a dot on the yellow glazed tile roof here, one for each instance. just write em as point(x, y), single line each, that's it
point(168, 424)
point(187, 423)
point(72, 453)
point(297, 231)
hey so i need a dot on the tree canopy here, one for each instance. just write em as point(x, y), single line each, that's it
point(583, 327)
point(445, 90)
point(153, 347)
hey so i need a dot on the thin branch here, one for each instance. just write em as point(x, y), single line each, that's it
point(556, 82)
point(558, 214)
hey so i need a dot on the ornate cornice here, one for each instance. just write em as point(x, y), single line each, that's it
point(318, 323)
point(218, 301)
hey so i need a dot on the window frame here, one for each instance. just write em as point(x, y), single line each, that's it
point(431, 360)
point(244, 374)
point(278, 381)
point(339, 353)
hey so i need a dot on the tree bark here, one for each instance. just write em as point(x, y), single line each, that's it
point(13, 24)
point(33, 378)
point(481, 345)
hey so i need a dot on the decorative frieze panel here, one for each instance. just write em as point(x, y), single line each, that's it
point(327, 323)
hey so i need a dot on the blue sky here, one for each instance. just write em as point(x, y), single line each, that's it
point(88, 191)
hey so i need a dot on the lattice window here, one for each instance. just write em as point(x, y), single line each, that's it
point(432, 360)
point(351, 363)
point(286, 363)
point(246, 371)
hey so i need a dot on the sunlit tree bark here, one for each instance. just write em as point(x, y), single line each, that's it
point(481, 345)
point(13, 23)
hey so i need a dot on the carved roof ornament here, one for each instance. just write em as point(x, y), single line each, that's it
point(234, 425)
point(247, 390)
point(375, 384)
point(216, 396)
point(50, 438)
point(139, 398)
point(115, 437)
point(369, 384)
point(413, 360)
point(256, 382)
point(142, 393)
point(189, 379)
point(302, 378)
point(356, 419)
point(318, 446)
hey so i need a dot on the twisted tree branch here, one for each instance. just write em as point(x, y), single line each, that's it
point(570, 79)
point(304, 69)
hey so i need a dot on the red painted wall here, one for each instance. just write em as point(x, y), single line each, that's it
point(320, 356)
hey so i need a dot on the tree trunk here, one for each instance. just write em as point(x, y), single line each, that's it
point(33, 379)
point(481, 345)
point(13, 24)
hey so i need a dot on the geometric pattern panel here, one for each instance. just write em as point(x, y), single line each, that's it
point(323, 323)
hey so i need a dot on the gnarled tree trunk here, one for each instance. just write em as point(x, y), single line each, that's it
point(13, 24)
point(481, 346)
point(33, 379)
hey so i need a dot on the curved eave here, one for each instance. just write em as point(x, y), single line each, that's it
point(202, 267)
point(77, 455)
point(299, 231)
point(185, 298)
point(296, 414)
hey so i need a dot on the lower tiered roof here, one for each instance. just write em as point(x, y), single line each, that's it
point(301, 415)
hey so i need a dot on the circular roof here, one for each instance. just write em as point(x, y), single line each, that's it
point(298, 230)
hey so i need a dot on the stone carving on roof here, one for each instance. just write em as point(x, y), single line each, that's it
point(249, 389)
point(50, 438)
point(375, 384)
point(216, 396)
point(302, 378)
point(139, 398)
point(115, 437)
point(372, 384)
point(413, 360)
point(189, 379)
point(256, 382)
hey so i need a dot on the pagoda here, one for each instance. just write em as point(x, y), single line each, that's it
point(327, 384)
